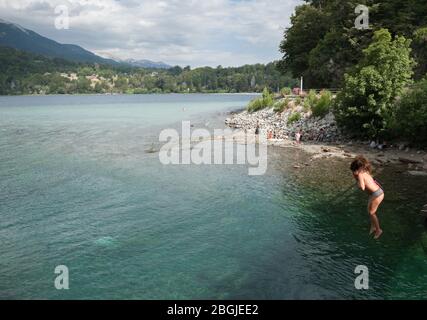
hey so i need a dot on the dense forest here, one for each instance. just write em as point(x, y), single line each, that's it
point(323, 44)
point(380, 70)
point(26, 73)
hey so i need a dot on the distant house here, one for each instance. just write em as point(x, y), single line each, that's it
point(296, 91)
point(93, 80)
point(71, 77)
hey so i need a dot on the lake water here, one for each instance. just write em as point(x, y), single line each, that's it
point(78, 188)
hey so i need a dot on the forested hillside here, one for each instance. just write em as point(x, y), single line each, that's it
point(322, 43)
point(25, 73)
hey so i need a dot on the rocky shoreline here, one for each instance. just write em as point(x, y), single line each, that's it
point(322, 138)
point(313, 129)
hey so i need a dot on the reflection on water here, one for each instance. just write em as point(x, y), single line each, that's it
point(334, 230)
point(79, 188)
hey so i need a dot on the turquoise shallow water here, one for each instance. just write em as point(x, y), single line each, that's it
point(78, 188)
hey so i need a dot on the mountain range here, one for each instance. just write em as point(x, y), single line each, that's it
point(14, 36)
point(147, 64)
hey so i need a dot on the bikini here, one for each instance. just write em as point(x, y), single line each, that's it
point(377, 193)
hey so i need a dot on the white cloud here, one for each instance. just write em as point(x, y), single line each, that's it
point(184, 32)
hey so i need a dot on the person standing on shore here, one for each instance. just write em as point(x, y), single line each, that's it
point(362, 170)
point(321, 135)
point(298, 137)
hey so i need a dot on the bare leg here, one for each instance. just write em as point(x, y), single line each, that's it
point(372, 208)
point(373, 228)
point(376, 223)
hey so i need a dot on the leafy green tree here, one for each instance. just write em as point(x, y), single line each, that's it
point(87, 71)
point(400, 17)
point(410, 121)
point(175, 71)
point(310, 100)
point(101, 87)
point(83, 85)
point(265, 101)
point(308, 26)
point(420, 52)
point(281, 105)
point(365, 105)
point(294, 117)
point(322, 43)
point(286, 91)
point(22, 73)
point(121, 84)
point(323, 104)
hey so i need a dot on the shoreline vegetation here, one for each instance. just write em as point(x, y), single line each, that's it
point(380, 71)
point(380, 74)
point(380, 106)
point(413, 161)
point(23, 73)
point(322, 137)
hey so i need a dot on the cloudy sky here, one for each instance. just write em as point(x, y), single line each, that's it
point(178, 32)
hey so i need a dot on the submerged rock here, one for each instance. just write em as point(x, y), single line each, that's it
point(105, 241)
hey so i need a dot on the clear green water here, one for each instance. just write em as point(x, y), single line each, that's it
point(78, 188)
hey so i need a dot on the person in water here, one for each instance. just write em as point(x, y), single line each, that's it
point(362, 171)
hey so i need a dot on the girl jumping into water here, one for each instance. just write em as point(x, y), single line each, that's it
point(362, 171)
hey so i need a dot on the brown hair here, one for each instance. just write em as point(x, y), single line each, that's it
point(361, 163)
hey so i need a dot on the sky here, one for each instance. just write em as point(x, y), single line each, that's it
point(177, 32)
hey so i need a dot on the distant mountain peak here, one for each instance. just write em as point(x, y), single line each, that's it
point(17, 26)
point(14, 36)
point(144, 63)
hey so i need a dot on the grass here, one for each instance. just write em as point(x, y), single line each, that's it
point(281, 105)
point(294, 117)
point(266, 101)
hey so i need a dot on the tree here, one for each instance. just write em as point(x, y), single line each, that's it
point(331, 58)
point(411, 114)
point(308, 27)
point(420, 52)
point(23, 73)
point(121, 84)
point(83, 85)
point(365, 105)
point(265, 101)
point(322, 43)
point(400, 17)
point(175, 71)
